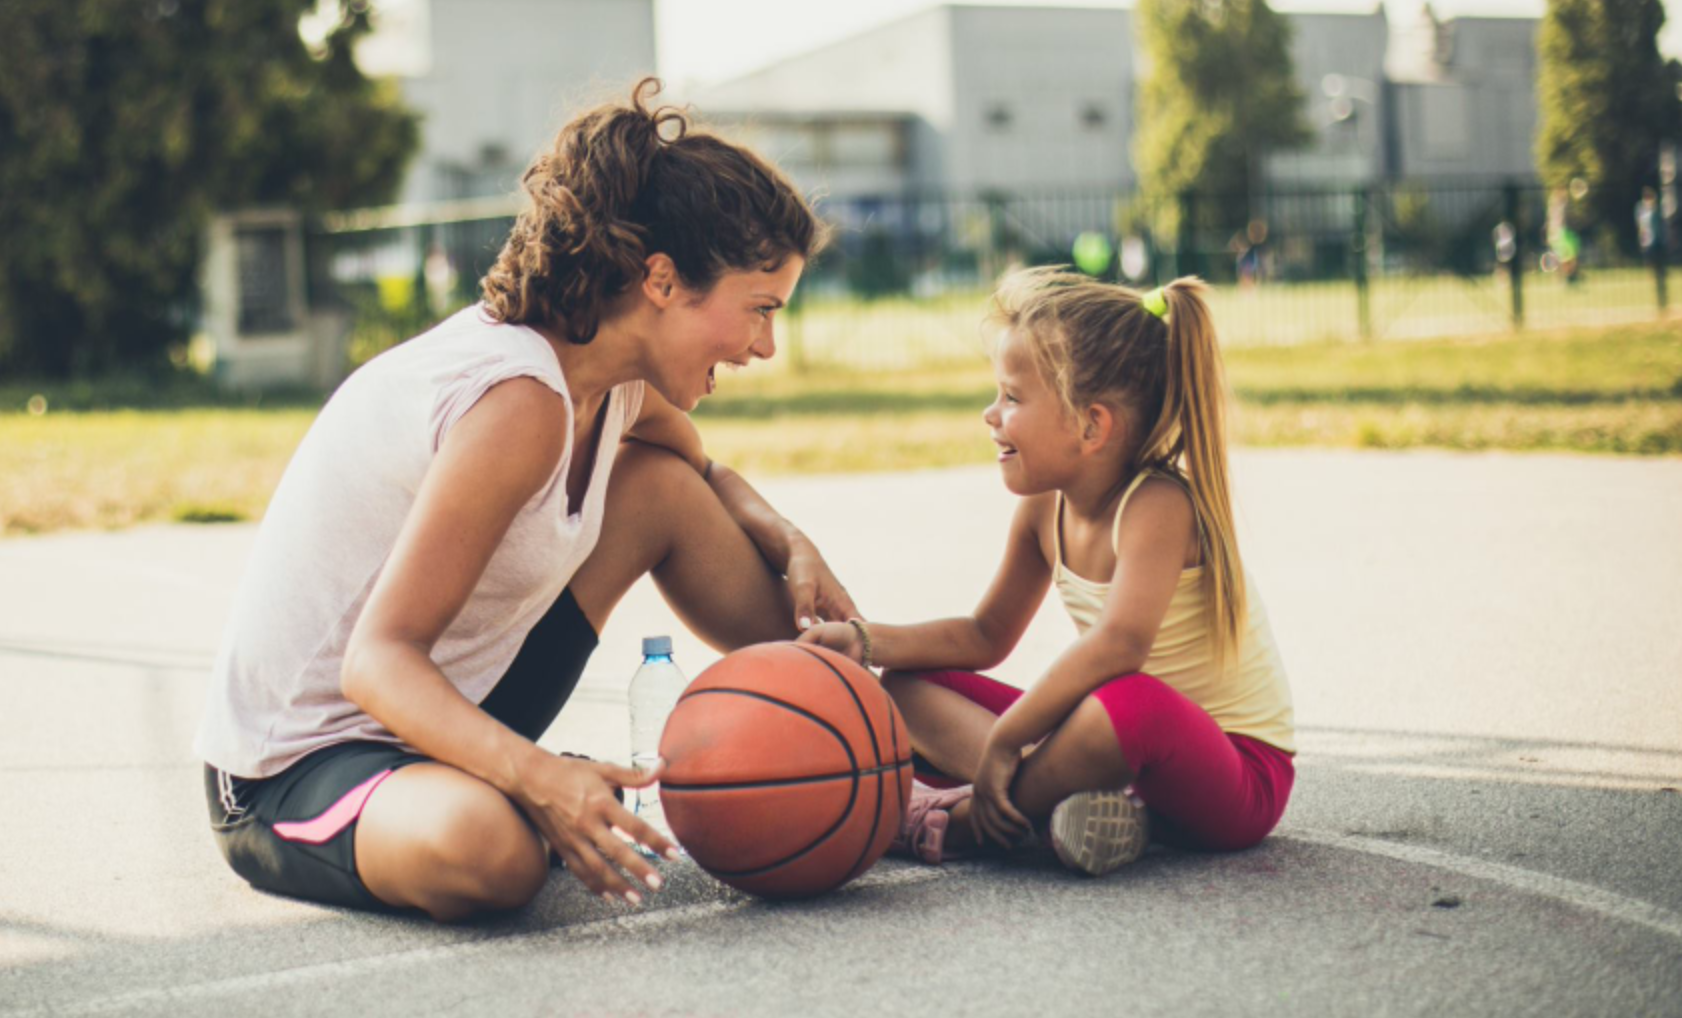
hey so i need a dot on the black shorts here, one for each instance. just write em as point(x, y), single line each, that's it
point(295, 833)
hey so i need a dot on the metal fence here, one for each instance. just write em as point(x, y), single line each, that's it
point(906, 277)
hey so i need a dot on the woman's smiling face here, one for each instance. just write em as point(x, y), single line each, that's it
point(1039, 443)
point(731, 324)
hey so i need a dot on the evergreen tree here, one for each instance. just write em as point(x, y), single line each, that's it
point(1607, 100)
point(1219, 95)
point(124, 124)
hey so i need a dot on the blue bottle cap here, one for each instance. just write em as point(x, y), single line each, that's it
point(656, 646)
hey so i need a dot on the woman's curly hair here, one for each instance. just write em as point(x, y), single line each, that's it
point(622, 182)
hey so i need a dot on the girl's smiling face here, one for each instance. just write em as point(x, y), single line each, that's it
point(1039, 442)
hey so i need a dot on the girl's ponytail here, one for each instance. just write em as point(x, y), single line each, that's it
point(1195, 407)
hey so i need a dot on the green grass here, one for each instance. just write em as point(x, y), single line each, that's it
point(103, 469)
point(1607, 390)
point(899, 332)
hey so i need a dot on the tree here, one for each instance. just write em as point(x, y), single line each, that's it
point(1220, 94)
point(1607, 102)
point(124, 124)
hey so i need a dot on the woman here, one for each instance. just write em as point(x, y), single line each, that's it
point(446, 543)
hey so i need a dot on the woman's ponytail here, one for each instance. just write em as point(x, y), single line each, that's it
point(624, 181)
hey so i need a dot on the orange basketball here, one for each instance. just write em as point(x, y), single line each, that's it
point(787, 770)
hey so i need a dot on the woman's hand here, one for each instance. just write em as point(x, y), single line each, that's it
point(572, 804)
point(818, 596)
point(837, 636)
point(992, 815)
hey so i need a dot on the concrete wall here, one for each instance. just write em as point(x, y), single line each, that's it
point(1044, 99)
point(901, 70)
point(841, 154)
point(1475, 116)
point(996, 98)
point(506, 74)
point(1351, 149)
point(902, 67)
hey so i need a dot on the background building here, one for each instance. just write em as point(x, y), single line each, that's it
point(1339, 62)
point(965, 99)
point(499, 77)
point(1464, 97)
point(980, 98)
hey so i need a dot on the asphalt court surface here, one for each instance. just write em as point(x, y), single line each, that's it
point(1486, 662)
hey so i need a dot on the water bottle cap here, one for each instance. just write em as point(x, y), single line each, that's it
point(655, 646)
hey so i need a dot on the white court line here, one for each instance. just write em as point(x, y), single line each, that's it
point(1583, 896)
point(358, 967)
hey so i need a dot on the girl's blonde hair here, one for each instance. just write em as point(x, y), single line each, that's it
point(1097, 343)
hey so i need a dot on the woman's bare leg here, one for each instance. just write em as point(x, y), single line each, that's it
point(663, 519)
point(434, 838)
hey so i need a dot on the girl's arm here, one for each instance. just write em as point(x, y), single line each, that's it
point(974, 642)
point(491, 463)
point(816, 593)
point(1150, 555)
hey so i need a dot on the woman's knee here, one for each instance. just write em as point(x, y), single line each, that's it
point(497, 860)
point(442, 841)
point(640, 470)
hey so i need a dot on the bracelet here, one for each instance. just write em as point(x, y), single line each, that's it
point(864, 638)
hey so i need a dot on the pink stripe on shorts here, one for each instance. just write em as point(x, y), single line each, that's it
point(335, 818)
point(1206, 789)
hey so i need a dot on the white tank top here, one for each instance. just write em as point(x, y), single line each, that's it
point(1250, 696)
point(274, 691)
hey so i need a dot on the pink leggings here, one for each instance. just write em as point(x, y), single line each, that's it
point(1206, 789)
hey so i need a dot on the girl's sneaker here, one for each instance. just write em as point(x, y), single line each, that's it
point(922, 831)
point(1096, 832)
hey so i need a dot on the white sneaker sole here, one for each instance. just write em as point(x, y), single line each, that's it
point(1096, 832)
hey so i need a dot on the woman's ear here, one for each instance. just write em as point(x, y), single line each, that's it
point(659, 279)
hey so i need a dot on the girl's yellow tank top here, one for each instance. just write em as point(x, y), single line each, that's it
point(1248, 696)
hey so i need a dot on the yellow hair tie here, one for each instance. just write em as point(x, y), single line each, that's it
point(1156, 302)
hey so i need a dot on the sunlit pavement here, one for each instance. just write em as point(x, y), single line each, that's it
point(1487, 659)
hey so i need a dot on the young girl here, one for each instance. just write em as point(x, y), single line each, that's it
point(1171, 711)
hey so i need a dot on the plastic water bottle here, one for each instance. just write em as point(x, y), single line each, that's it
point(655, 689)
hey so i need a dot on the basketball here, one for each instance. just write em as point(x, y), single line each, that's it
point(787, 770)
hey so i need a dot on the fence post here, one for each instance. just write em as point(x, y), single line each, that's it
point(1363, 304)
point(793, 334)
point(1515, 267)
point(1185, 258)
point(1661, 260)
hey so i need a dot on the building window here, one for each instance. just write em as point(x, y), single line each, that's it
point(265, 307)
point(997, 117)
point(871, 145)
point(1093, 117)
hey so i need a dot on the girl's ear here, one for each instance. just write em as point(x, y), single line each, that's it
point(659, 276)
point(1098, 425)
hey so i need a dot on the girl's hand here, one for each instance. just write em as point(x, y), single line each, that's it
point(992, 815)
point(817, 594)
point(837, 636)
point(572, 804)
